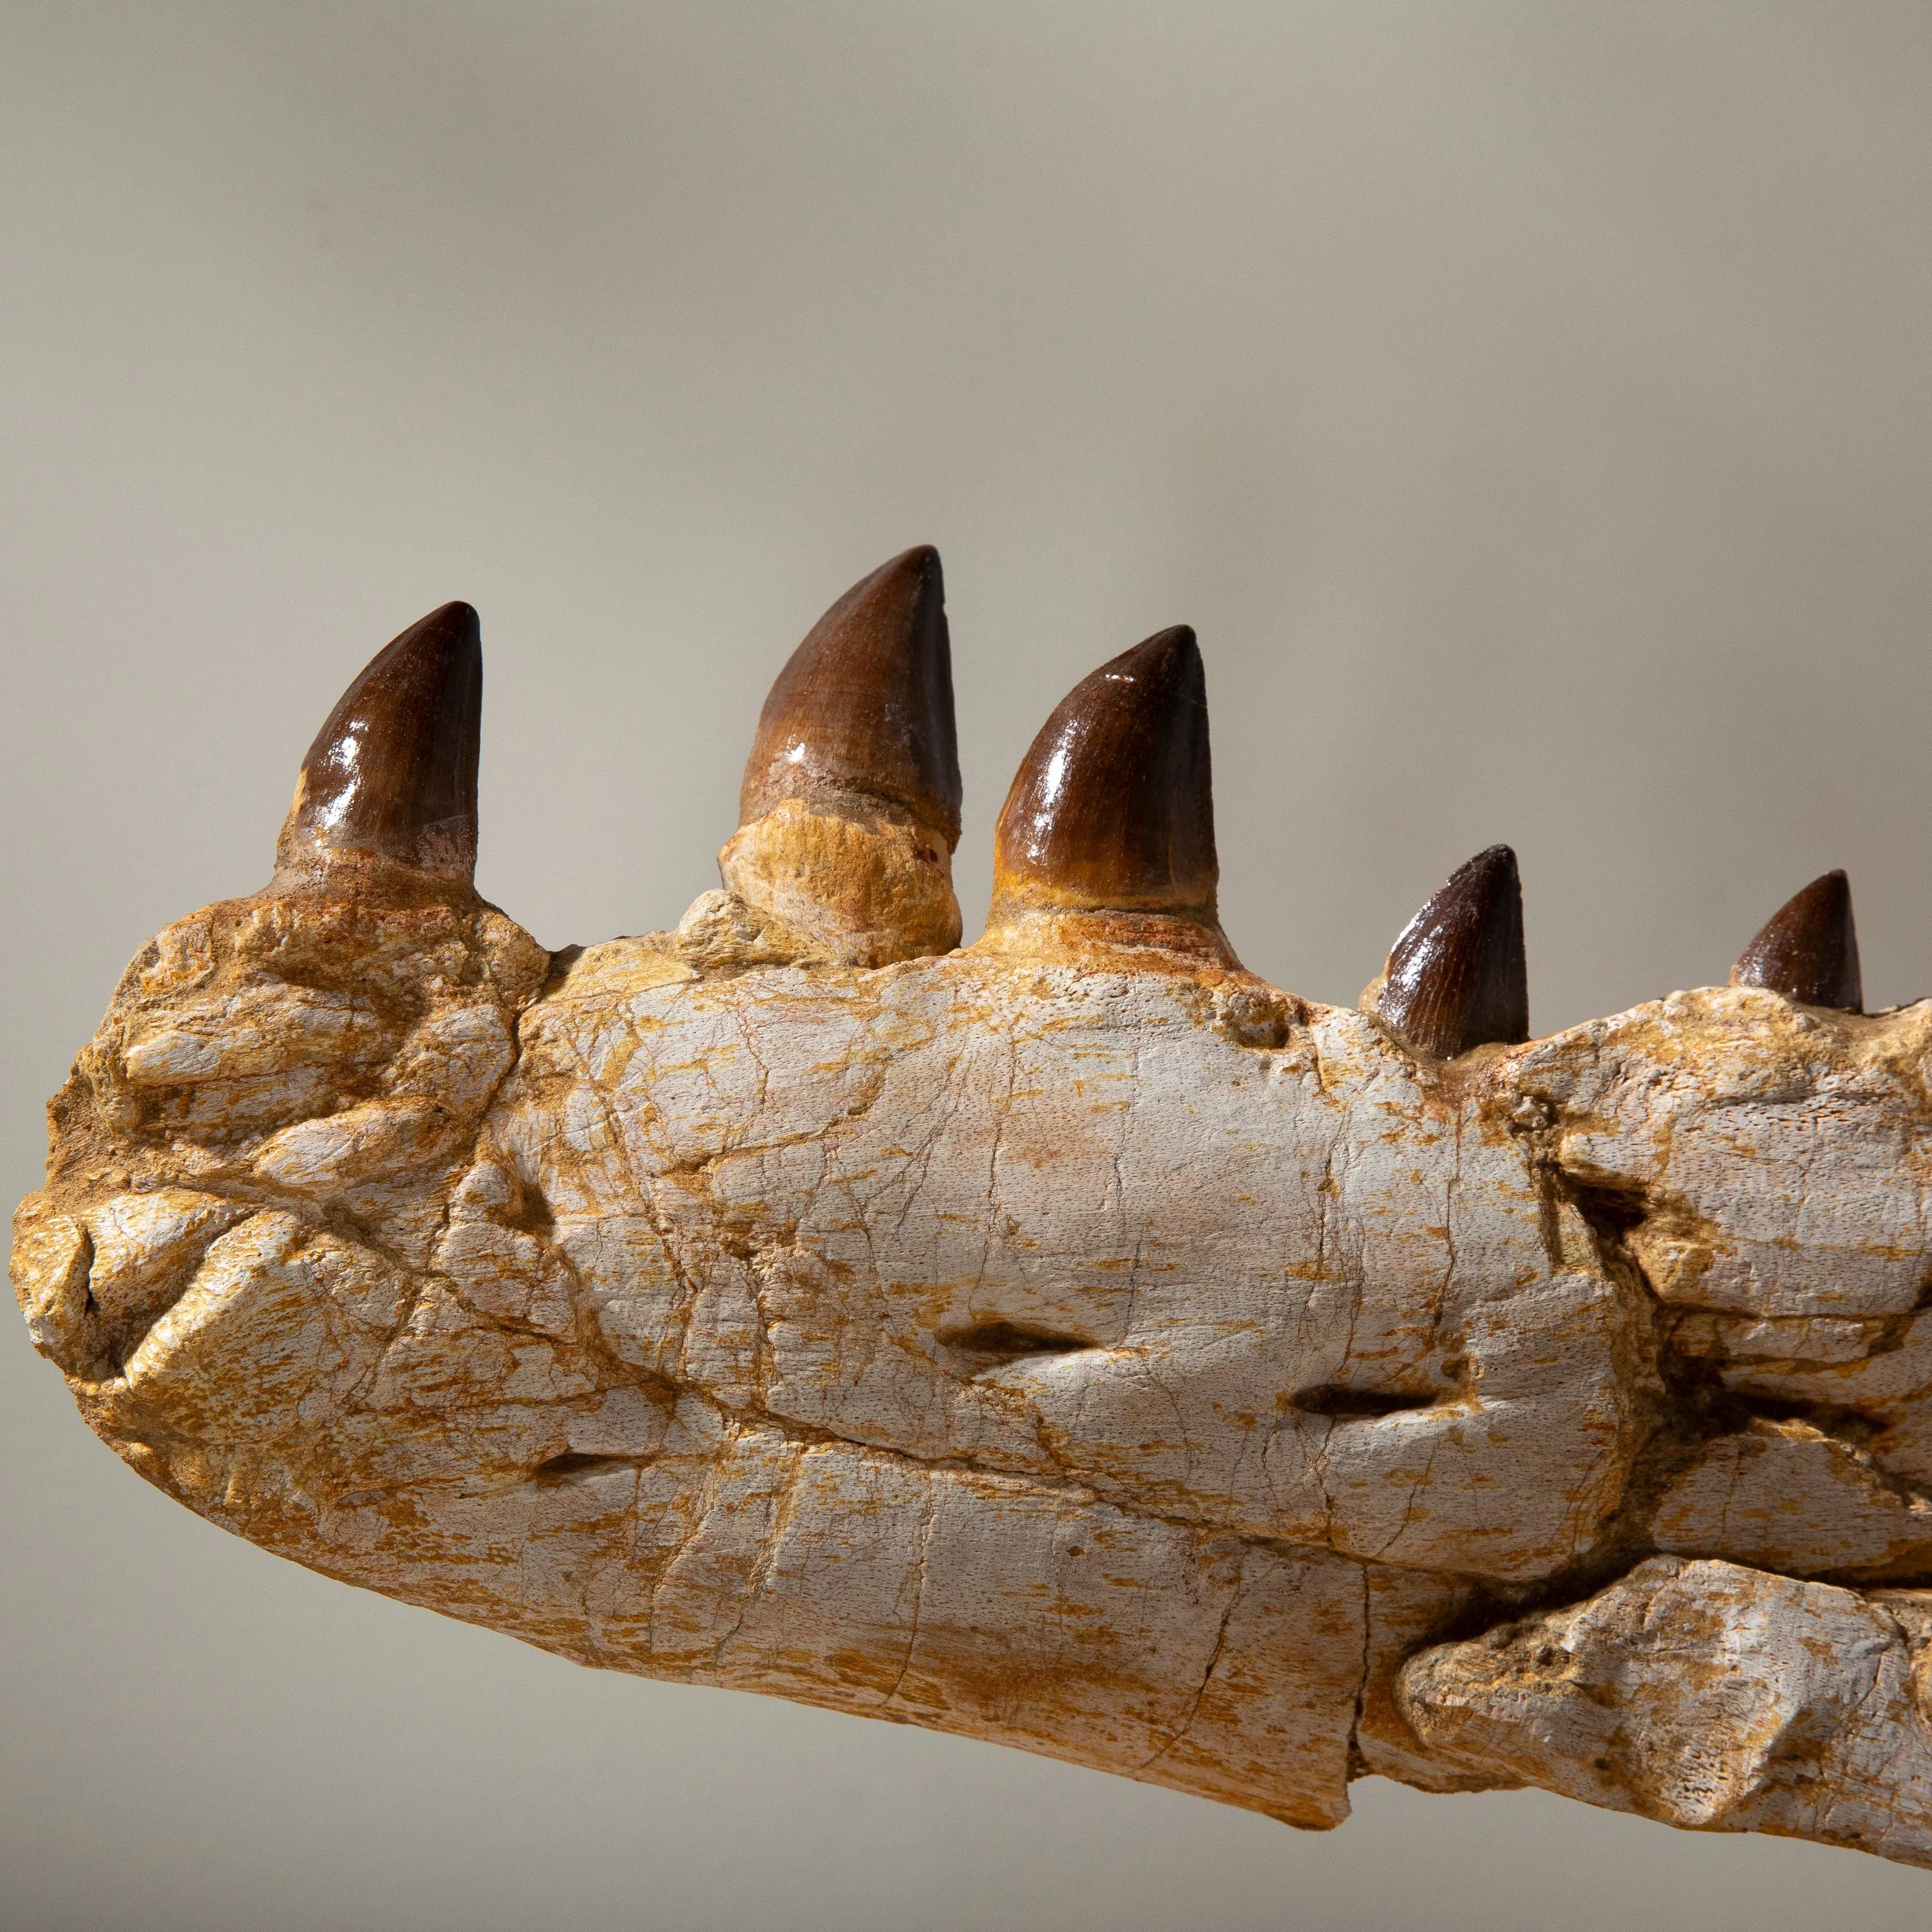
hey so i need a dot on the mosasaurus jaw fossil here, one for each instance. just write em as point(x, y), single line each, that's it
point(1071, 1341)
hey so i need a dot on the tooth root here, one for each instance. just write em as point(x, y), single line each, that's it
point(1457, 977)
point(1808, 949)
point(864, 704)
point(849, 808)
point(1113, 810)
point(392, 774)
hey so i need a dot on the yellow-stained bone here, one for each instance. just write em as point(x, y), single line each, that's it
point(1077, 1344)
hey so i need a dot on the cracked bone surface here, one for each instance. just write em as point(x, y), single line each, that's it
point(1073, 1341)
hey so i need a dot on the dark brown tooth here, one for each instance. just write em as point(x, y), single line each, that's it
point(393, 772)
point(864, 704)
point(1457, 977)
point(1808, 949)
point(1113, 807)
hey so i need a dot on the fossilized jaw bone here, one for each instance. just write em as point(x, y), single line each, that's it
point(1075, 1341)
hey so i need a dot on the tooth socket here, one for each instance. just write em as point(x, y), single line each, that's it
point(391, 779)
point(1808, 949)
point(844, 880)
point(1457, 977)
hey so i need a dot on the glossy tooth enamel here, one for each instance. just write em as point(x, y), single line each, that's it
point(1113, 807)
point(865, 703)
point(1457, 977)
point(1808, 948)
point(392, 774)
point(849, 808)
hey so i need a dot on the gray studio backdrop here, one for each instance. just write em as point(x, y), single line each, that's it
point(1530, 406)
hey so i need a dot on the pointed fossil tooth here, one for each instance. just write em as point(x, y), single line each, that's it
point(850, 808)
point(393, 772)
point(1113, 807)
point(1808, 948)
point(864, 704)
point(1457, 977)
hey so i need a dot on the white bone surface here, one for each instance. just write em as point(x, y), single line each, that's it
point(1100, 1353)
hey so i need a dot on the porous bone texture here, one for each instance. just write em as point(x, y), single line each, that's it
point(1099, 1352)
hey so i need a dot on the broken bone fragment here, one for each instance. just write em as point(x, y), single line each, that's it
point(1071, 1342)
point(1705, 1695)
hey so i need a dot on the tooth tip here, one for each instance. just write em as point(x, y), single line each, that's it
point(455, 622)
point(1808, 948)
point(1457, 976)
point(1178, 642)
point(1112, 808)
point(447, 643)
point(393, 770)
point(865, 703)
